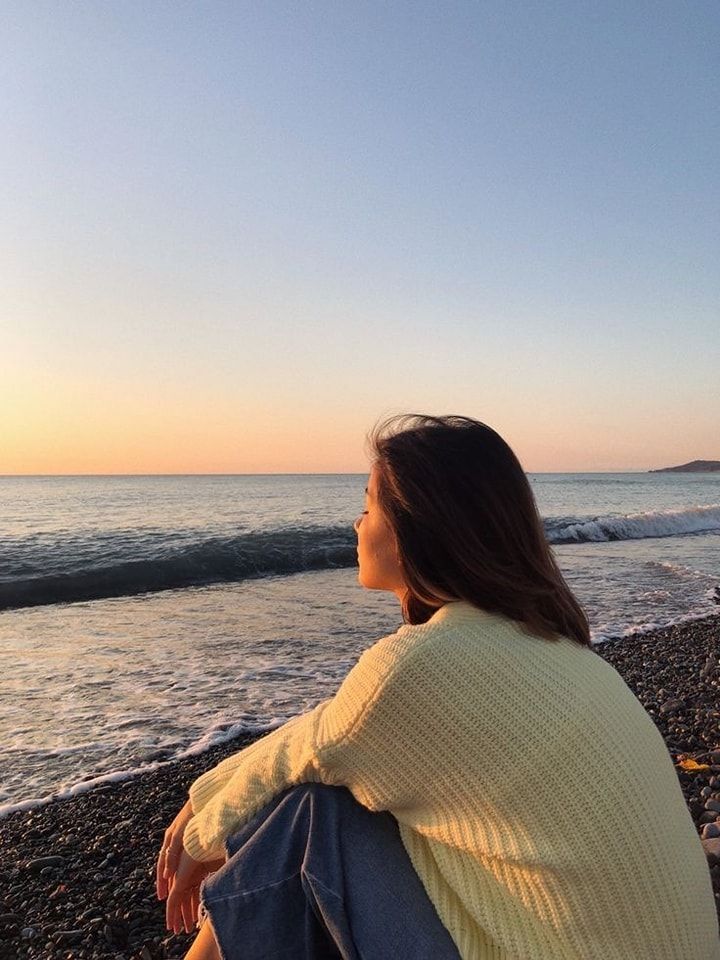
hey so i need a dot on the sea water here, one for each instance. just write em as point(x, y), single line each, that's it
point(146, 618)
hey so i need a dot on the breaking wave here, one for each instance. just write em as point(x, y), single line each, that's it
point(70, 570)
point(216, 560)
point(635, 526)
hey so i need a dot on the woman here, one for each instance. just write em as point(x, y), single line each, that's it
point(482, 785)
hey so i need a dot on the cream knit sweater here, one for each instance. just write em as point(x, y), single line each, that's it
point(535, 797)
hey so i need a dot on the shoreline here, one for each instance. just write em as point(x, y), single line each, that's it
point(165, 757)
point(98, 900)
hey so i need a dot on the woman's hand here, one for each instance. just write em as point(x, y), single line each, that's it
point(178, 876)
point(183, 900)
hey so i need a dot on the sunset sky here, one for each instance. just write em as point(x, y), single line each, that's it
point(234, 235)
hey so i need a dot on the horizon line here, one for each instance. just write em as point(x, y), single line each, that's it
point(292, 473)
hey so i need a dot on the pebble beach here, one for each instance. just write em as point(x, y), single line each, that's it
point(78, 875)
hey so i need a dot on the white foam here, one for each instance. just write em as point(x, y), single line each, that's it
point(85, 786)
point(211, 739)
point(650, 626)
point(638, 526)
point(679, 570)
point(221, 733)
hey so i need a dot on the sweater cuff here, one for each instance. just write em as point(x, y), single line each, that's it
point(192, 845)
point(205, 788)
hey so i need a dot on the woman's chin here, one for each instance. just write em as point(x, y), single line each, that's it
point(372, 584)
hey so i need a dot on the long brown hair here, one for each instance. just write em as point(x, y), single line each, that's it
point(467, 526)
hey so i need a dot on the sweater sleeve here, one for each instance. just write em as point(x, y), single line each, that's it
point(213, 781)
point(334, 743)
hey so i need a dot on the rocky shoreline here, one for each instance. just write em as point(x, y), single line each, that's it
point(78, 875)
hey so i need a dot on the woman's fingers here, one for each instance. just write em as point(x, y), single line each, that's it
point(172, 863)
point(162, 874)
point(172, 904)
point(181, 914)
point(169, 907)
point(181, 910)
point(166, 868)
point(161, 879)
point(160, 884)
point(186, 911)
point(183, 881)
point(167, 864)
point(173, 856)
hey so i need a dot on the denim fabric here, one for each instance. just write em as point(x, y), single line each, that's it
point(317, 876)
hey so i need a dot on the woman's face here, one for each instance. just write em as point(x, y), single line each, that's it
point(377, 549)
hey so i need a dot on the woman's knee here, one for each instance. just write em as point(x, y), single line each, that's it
point(204, 946)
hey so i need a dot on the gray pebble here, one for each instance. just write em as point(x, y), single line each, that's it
point(712, 850)
point(69, 936)
point(671, 706)
point(37, 865)
point(709, 668)
point(86, 914)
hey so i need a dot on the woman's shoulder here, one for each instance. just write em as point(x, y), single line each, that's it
point(457, 612)
point(460, 635)
point(455, 619)
point(461, 619)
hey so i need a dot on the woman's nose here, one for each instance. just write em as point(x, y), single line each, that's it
point(356, 523)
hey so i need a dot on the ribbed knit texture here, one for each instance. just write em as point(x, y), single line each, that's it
point(536, 799)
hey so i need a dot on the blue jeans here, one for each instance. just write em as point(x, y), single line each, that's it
point(316, 875)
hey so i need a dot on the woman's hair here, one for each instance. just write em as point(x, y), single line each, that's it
point(467, 526)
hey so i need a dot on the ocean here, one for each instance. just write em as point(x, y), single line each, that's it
point(143, 619)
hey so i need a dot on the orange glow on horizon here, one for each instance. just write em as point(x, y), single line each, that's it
point(95, 427)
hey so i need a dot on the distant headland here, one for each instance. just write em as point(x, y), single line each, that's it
point(695, 466)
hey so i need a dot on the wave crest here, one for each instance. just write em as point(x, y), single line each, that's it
point(215, 560)
point(637, 526)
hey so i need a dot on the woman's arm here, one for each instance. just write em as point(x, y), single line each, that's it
point(343, 734)
point(214, 780)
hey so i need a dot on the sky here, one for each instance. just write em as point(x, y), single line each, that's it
point(236, 235)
